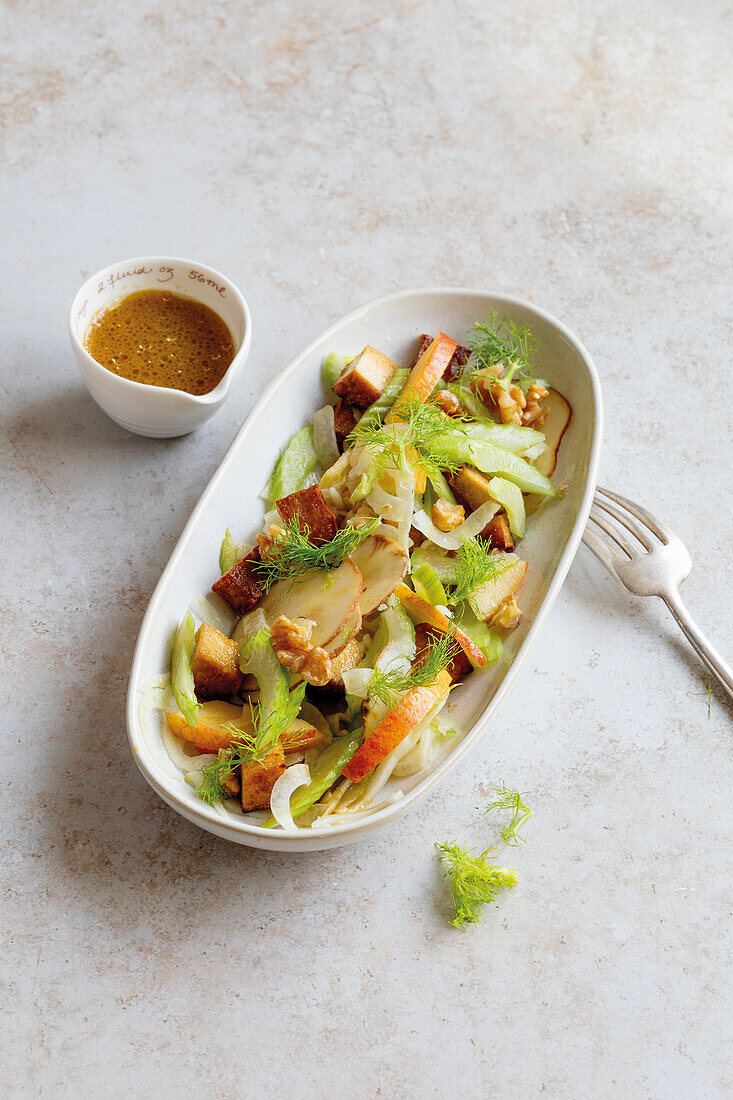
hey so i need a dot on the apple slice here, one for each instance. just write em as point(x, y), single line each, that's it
point(382, 563)
point(210, 733)
point(300, 736)
point(395, 726)
point(553, 429)
point(491, 595)
point(423, 612)
point(326, 597)
point(423, 377)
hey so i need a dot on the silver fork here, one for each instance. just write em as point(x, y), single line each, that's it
point(653, 563)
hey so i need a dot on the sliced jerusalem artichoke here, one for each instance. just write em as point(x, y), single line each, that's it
point(349, 629)
point(301, 735)
point(382, 563)
point(327, 597)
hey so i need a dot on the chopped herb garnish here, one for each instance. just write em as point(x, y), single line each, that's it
point(510, 800)
point(501, 341)
point(391, 684)
point(473, 881)
point(474, 564)
point(248, 747)
point(409, 441)
point(292, 555)
point(708, 693)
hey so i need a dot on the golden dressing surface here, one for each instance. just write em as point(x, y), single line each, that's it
point(162, 339)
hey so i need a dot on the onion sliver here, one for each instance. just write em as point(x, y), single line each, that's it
point(196, 764)
point(469, 529)
point(324, 437)
point(292, 778)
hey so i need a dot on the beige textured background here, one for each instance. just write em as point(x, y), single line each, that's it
point(323, 154)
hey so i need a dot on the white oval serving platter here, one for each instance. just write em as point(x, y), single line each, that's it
point(231, 499)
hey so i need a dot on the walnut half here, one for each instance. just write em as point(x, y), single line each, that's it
point(291, 642)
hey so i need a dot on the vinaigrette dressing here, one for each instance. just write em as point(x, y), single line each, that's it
point(162, 339)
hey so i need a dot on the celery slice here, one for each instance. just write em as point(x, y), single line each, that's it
point(511, 497)
point(181, 676)
point(493, 459)
point(391, 392)
point(445, 568)
point(488, 641)
point(324, 773)
point(228, 553)
point(427, 584)
point(293, 466)
point(512, 437)
point(257, 658)
point(441, 486)
point(331, 368)
point(473, 405)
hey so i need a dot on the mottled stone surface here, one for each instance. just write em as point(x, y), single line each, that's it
point(321, 155)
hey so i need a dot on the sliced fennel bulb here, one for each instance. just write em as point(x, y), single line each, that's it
point(298, 775)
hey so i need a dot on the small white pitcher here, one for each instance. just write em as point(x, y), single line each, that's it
point(156, 410)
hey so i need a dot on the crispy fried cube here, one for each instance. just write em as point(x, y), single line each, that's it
point(312, 511)
point(344, 421)
point(259, 777)
point(471, 485)
point(240, 587)
point(364, 379)
point(497, 532)
point(215, 664)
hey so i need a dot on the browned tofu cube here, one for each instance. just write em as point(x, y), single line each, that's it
point(471, 486)
point(498, 534)
point(312, 512)
point(425, 636)
point(457, 361)
point(344, 421)
point(215, 664)
point(258, 779)
point(364, 379)
point(240, 587)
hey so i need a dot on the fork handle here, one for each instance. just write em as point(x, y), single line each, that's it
point(709, 656)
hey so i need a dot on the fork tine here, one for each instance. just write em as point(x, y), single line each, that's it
point(612, 532)
point(627, 521)
point(660, 529)
point(601, 549)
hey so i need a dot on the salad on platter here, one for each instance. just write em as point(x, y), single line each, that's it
point(384, 573)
